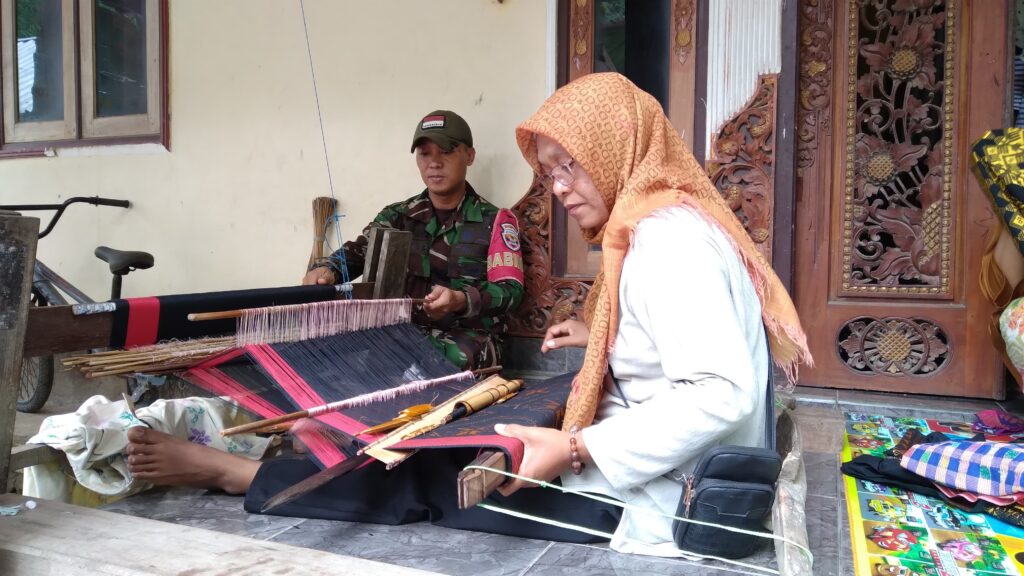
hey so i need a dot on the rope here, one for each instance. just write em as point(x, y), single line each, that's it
point(633, 507)
point(339, 254)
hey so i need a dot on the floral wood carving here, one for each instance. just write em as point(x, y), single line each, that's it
point(900, 101)
point(813, 114)
point(581, 36)
point(548, 300)
point(893, 346)
point(743, 166)
point(684, 13)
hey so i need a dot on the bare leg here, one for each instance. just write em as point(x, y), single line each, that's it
point(168, 461)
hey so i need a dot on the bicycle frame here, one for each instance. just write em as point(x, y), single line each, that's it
point(52, 287)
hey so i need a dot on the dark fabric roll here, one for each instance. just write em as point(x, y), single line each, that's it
point(424, 489)
point(143, 321)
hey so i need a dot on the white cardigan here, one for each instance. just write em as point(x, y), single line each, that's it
point(690, 358)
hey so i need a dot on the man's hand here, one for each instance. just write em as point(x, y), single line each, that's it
point(571, 333)
point(319, 275)
point(546, 454)
point(443, 301)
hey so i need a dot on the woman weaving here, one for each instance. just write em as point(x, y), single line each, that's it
point(678, 313)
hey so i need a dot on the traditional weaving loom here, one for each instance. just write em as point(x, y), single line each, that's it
point(310, 350)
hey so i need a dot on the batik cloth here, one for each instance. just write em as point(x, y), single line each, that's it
point(998, 422)
point(997, 158)
point(639, 164)
point(95, 436)
point(989, 468)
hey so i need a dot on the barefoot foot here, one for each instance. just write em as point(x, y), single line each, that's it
point(168, 461)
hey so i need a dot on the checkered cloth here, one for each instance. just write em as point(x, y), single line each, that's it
point(990, 468)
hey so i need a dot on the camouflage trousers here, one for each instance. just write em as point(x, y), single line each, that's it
point(465, 348)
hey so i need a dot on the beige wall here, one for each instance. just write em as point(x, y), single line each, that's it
point(229, 205)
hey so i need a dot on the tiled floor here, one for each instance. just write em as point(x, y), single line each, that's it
point(819, 414)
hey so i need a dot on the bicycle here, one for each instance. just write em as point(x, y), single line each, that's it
point(50, 289)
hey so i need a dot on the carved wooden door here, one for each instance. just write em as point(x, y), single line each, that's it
point(890, 222)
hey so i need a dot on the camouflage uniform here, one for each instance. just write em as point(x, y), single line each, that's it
point(452, 254)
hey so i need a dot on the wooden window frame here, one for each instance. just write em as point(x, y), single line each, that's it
point(149, 128)
point(94, 126)
point(34, 131)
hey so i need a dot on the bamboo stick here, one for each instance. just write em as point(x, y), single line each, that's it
point(258, 424)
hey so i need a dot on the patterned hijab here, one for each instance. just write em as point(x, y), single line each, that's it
point(639, 164)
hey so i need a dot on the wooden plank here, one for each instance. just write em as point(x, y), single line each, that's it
point(33, 455)
point(54, 329)
point(393, 264)
point(18, 235)
point(59, 538)
point(373, 241)
point(475, 485)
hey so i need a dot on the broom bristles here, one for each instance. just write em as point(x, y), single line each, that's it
point(323, 212)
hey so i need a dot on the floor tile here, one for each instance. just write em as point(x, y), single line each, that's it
point(809, 395)
point(576, 560)
point(819, 433)
point(822, 471)
point(914, 405)
point(1013, 406)
point(823, 534)
point(845, 545)
point(202, 509)
point(419, 545)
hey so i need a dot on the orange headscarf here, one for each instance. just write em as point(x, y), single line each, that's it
point(636, 159)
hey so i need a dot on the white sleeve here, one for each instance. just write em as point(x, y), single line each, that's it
point(680, 292)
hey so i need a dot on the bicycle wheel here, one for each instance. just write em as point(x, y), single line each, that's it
point(36, 375)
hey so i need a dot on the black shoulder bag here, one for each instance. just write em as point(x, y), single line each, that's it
point(731, 486)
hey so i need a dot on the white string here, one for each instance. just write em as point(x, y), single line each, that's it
point(635, 508)
point(296, 322)
point(327, 159)
point(389, 393)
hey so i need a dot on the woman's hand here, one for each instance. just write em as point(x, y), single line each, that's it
point(571, 333)
point(545, 455)
point(443, 301)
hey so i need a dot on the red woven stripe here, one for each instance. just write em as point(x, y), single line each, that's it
point(296, 388)
point(143, 321)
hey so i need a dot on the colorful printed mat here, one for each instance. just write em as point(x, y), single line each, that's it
point(901, 533)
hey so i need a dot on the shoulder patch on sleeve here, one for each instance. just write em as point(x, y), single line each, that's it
point(504, 256)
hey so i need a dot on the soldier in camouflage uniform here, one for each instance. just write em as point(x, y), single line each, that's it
point(464, 259)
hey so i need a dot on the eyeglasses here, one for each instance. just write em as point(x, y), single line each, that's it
point(563, 174)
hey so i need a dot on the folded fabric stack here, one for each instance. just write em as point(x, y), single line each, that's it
point(973, 474)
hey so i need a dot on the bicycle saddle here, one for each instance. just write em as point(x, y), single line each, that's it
point(122, 262)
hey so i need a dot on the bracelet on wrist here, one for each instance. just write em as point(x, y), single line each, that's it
point(575, 462)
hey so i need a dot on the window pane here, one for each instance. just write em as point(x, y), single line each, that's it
point(632, 37)
point(40, 74)
point(120, 48)
point(610, 36)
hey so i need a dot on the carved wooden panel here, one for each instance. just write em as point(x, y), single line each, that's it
point(684, 13)
point(898, 187)
point(548, 300)
point(814, 111)
point(893, 346)
point(581, 38)
point(890, 224)
point(743, 163)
